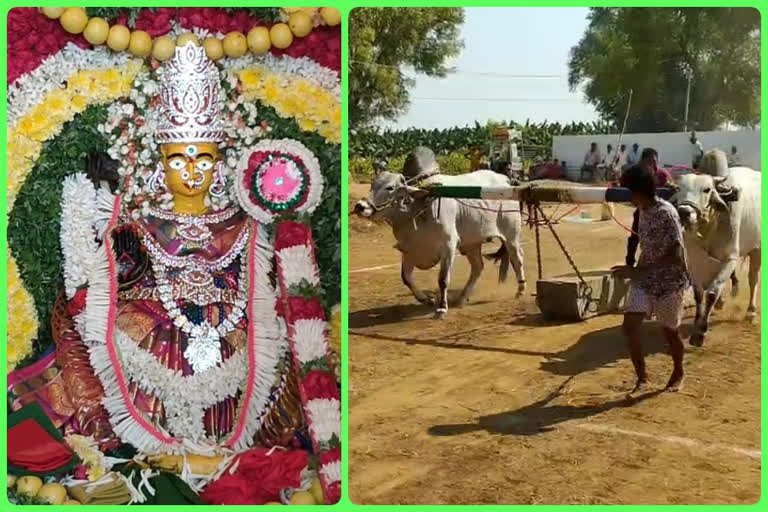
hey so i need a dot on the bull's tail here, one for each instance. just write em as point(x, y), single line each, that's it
point(501, 256)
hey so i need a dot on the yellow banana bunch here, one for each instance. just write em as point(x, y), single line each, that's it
point(198, 464)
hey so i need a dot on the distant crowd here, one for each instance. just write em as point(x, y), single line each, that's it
point(608, 167)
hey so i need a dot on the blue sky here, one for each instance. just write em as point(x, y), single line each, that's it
point(512, 40)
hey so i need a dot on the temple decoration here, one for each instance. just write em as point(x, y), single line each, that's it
point(295, 22)
point(189, 327)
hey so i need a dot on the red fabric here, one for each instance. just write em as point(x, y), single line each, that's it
point(259, 478)
point(77, 304)
point(663, 178)
point(31, 447)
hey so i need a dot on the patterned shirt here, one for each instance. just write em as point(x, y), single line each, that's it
point(660, 229)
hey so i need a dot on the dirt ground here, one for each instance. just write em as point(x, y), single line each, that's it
point(494, 405)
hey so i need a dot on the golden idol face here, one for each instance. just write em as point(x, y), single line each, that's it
point(189, 167)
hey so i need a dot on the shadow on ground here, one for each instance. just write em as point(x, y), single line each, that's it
point(535, 418)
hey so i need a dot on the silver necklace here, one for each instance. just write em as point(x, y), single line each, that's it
point(194, 261)
point(203, 350)
point(194, 227)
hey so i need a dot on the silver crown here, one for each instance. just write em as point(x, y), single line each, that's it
point(190, 104)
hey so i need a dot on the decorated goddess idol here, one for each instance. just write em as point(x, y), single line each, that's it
point(191, 328)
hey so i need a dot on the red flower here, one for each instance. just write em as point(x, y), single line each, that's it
point(300, 308)
point(330, 456)
point(156, 23)
point(81, 472)
point(290, 233)
point(77, 304)
point(320, 384)
point(333, 493)
point(32, 37)
point(259, 478)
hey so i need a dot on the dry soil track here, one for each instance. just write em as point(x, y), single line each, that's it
point(493, 405)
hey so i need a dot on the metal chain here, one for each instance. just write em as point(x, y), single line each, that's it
point(587, 296)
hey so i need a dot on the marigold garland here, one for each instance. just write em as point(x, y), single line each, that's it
point(314, 108)
point(59, 106)
point(22, 330)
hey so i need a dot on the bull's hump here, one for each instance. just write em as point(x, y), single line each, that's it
point(420, 160)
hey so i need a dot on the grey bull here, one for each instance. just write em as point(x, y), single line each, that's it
point(431, 231)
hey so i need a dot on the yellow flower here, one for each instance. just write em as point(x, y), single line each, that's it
point(271, 93)
point(79, 101)
point(22, 317)
point(79, 82)
point(110, 75)
point(250, 78)
point(307, 125)
point(113, 89)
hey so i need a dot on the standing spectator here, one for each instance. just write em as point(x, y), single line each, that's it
point(697, 151)
point(591, 160)
point(634, 156)
point(734, 160)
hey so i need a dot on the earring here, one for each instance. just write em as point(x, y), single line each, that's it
point(219, 185)
point(157, 178)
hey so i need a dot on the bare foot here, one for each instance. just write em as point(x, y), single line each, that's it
point(640, 388)
point(675, 383)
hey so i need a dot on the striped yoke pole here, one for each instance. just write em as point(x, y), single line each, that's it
point(572, 195)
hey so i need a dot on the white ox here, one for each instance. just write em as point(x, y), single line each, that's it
point(430, 231)
point(721, 218)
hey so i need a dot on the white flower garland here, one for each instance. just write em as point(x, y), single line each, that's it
point(310, 339)
point(332, 471)
point(270, 339)
point(185, 397)
point(303, 66)
point(28, 90)
point(297, 265)
point(325, 418)
point(78, 209)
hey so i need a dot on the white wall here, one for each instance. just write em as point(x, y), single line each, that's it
point(674, 147)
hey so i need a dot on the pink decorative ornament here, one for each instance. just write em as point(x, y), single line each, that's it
point(278, 177)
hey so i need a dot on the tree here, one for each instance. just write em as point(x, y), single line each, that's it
point(382, 41)
point(649, 51)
